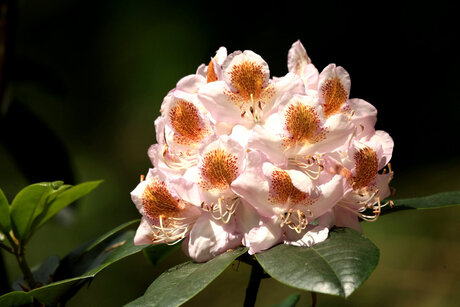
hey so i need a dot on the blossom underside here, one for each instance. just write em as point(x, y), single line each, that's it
point(283, 191)
point(302, 123)
point(366, 167)
point(219, 169)
point(334, 94)
point(185, 120)
point(158, 201)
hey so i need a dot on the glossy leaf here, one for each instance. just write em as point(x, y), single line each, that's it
point(337, 266)
point(65, 196)
point(15, 298)
point(5, 224)
point(289, 301)
point(182, 282)
point(43, 274)
point(440, 200)
point(27, 205)
point(156, 253)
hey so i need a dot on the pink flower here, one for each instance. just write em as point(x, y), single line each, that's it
point(167, 208)
point(283, 198)
point(246, 95)
point(300, 64)
point(360, 165)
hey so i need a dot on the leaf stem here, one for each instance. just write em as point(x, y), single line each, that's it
point(257, 273)
point(25, 269)
point(314, 299)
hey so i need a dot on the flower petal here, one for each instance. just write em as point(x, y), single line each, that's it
point(144, 233)
point(311, 237)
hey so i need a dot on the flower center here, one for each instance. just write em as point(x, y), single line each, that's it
point(302, 123)
point(218, 170)
point(248, 77)
point(158, 201)
point(283, 191)
point(366, 167)
point(185, 120)
point(334, 95)
point(211, 74)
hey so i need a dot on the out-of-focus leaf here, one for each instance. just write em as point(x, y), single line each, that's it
point(27, 205)
point(156, 253)
point(85, 262)
point(440, 200)
point(15, 298)
point(64, 197)
point(337, 266)
point(182, 282)
point(289, 301)
point(43, 274)
point(5, 224)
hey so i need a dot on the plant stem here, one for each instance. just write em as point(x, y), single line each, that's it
point(7, 248)
point(253, 286)
point(313, 299)
point(28, 276)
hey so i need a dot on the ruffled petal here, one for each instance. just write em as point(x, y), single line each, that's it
point(311, 237)
point(297, 58)
point(191, 83)
point(210, 238)
point(345, 218)
point(144, 233)
point(364, 116)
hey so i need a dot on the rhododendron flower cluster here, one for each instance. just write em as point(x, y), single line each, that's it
point(243, 158)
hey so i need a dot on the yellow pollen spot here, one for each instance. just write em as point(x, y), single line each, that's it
point(302, 123)
point(158, 201)
point(334, 95)
point(211, 74)
point(185, 119)
point(366, 168)
point(283, 191)
point(218, 170)
point(248, 78)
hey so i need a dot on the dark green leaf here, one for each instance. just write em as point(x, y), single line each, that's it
point(289, 301)
point(182, 282)
point(27, 205)
point(15, 298)
point(439, 200)
point(43, 274)
point(5, 224)
point(85, 262)
point(156, 253)
point(64, 196)
point(337, 266)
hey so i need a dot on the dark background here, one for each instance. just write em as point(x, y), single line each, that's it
point(86, 80)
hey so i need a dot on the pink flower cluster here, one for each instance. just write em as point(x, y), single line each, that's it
point(245, 159)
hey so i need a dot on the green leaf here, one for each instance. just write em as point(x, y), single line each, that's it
point(337, 266)
point(15, 298)
point(289, 301)
point(43, 273)
point(156, 253)
point(440, 200)
point(64, 196)
point(182, 282)
point(27, 204)
point(85, 262)
point(5, 224)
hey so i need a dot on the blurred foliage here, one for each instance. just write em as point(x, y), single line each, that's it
point(93, 75)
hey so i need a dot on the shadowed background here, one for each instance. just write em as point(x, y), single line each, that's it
point(87, 80)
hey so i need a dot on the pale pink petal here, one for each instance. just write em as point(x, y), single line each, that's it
point(290, 84)
point(310, 77)
point(382, 182)
point(386, 142)
point(214, 98)
point(239, 57)
point(331, 193)
point(332, 71)
point(364, 116)
point(311, 237)
point(345, 218)
point(252, 185)
point(268, 139)
point(191, 84)
point(202, 70)
point(210, 238)
point(338, 136)
point(297, 58)
point(144, 233)
point(261, 238)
